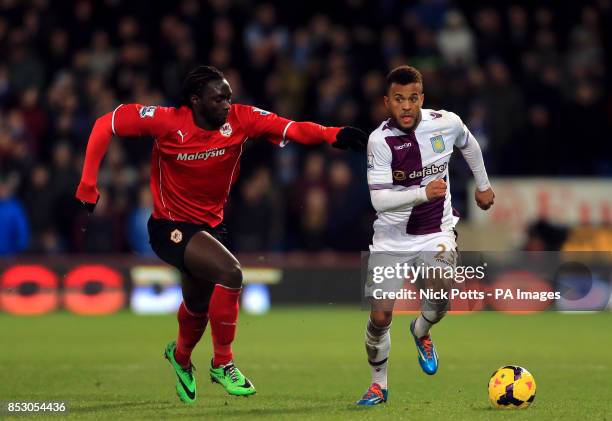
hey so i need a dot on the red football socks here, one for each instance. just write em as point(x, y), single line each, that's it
point(191, 328)
point(223, 313)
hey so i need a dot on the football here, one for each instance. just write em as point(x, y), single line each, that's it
point(512, 387)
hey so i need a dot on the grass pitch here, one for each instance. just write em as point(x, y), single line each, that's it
point(308, 363)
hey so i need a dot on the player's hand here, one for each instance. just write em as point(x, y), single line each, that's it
point(351, 138)
point(435, 189)
point(484, 199)
point(87, 196)
point(89, 207)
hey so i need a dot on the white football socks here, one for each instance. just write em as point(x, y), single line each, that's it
point(422, 326)
point(378, 345)
point(426, 320)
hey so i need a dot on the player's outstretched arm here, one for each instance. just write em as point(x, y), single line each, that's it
point(472, 154)
point(127, 120)
point(101, 134)
point(262, 123)
point(339, 137)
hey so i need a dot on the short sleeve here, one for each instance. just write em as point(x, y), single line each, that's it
point(133, 120)
point(261, 123)
point(379, 163)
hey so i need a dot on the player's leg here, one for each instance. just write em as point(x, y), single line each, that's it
point(434, 308)
point(432, 311)
point(168, 239)
point(192, 317)
point(378, 346)
point(377, 332)
point(208, 260)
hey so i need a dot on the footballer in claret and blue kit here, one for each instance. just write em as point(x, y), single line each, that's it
point(408, 177)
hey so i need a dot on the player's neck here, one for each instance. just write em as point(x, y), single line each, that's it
point(417, 122)
point(201, 122)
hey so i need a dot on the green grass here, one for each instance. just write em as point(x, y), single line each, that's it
point(309, 363)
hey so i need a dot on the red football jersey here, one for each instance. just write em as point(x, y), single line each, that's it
point(192, 169)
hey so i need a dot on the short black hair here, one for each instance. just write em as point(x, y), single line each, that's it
point(196, 80)
point(404, 75)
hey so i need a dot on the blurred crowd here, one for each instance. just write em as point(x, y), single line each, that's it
point(530, 79)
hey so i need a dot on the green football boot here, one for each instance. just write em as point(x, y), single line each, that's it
point(185, 382)
point(232, 380)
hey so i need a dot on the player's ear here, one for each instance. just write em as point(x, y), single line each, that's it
point(386, 101)
point(194, 99)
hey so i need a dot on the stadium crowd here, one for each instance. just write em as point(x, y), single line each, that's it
point(532, 82)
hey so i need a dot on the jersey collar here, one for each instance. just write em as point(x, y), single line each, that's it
point(426, 115)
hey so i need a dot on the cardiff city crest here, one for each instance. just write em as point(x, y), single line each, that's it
point(226, 130)
point(176, 236)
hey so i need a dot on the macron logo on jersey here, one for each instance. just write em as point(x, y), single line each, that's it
point(402, 146)
point(212, 153)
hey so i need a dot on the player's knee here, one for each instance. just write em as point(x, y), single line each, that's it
point(231, 277)
point(435, 309)
point(381, 318)
point(435, 314)
point(197, 304)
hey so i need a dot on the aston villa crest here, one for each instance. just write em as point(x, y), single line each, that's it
point(437, 143)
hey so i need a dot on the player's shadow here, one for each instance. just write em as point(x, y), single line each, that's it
point(487, 408)
point(266, 412)
point(364, 408)
point(118, 405)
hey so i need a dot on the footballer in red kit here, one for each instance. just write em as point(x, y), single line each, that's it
point(195, 161)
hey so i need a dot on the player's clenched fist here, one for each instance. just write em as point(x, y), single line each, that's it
point(435, 189)
point(484, 199)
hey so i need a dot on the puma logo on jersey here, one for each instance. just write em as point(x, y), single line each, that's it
point(212, 153)
point(180, 133)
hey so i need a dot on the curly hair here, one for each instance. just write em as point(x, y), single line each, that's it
point(196, 80)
